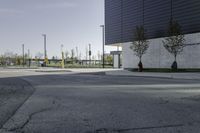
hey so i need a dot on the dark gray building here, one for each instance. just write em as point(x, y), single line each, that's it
point(122, 16)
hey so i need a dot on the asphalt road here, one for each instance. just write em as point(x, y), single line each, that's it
point(13, 93)
point(89, 103)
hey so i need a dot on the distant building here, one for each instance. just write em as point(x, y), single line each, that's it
point(122, 16)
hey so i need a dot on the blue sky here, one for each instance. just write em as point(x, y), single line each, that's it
point(73, 23)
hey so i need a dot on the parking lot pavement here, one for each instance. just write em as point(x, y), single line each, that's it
point(13, 93)
point(90, 103)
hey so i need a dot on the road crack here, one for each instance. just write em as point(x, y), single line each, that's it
point(104, 130)
point(30, 116)
point(10, 90)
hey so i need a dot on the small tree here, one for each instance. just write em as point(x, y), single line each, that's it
point(72, 55)
point(140, 45)
point(109, 59)
point(174, 44)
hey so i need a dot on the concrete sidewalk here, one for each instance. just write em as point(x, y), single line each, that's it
point(73, 70)
point(121, 72)
point(195, 76)
point(110, 71)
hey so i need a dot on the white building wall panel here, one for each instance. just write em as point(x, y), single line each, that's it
point(158, 57)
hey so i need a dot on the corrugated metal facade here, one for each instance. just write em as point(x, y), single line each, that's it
point(122, 16)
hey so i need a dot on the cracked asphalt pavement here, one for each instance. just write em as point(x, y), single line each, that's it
point(92, 103)
point(13, 93)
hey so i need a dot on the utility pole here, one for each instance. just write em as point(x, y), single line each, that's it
point(23, 54)
point(45, 49)
point(77, 53)
point(29, 59)
point(103, 40)
point(86, 52)
point(63, 60)
point(90, 53)
point(28, 53)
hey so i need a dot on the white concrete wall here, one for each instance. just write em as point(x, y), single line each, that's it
point(158, 57)
point(116, 61)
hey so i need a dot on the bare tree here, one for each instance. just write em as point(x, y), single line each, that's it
point(80, 56)
point(93, 57)
point(66, 55)
point(109, 59)
point(174, 44)
point(140, 45)
point(72, 55)
point(10, 58)
point(39, 55)
point(98, 55)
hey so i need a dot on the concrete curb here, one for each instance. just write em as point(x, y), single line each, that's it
point(189, 76)
point(52, 71)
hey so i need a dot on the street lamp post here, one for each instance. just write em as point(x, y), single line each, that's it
point(29, 58)
point(23, 54)
point(103, 40)
point(45, 49)
point(63, 60)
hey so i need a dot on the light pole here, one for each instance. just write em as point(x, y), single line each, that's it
point(90, 53)
point(45, 49)
point(103, 40)
point(63, 60)
point(23, 54)
point(77, 53)
point(29, 59)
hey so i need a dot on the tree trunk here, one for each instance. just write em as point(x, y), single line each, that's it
point(175, 56)
point(140, 66)
point(174, 66)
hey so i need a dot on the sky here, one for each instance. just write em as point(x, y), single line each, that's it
point(73, 23)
